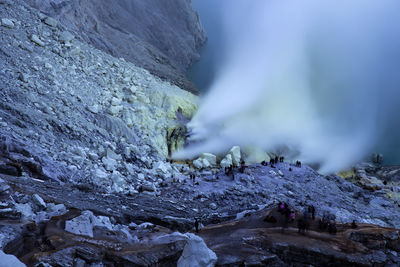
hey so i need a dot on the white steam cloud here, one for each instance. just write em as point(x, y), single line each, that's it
point(315, 79)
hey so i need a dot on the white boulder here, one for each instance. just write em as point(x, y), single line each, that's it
point(198, 163)
point(9, 260)
point(236, 156)
point(196, 253)
point(81, 225)
point(227, 161)
point(212, 159)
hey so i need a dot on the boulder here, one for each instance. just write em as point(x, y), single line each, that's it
point(39, 201)
point(161, 168)
point(66, 37)
point(227, 161)
point(51, 22)
point(7, 23)
point(236, 156)
point(212, 159)
point(35, 39)
point(109, 163)
point(81, 225)
point(196, 253)
point(198, 163)
point(10, 260)
point(25, 210)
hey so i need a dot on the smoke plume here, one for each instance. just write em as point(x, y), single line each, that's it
point(313, 80)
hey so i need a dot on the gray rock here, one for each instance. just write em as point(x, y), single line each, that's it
point(196, 253)
point(94, 109)
point(35, 39)
point(109, 163)
point(9, 260)
point(51, 22)
point(66, 37)
point(7, 23)
point(39, 201)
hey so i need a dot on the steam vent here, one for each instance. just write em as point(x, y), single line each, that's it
point(199, 133)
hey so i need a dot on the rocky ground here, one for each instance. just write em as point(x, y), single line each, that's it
point(86, 180)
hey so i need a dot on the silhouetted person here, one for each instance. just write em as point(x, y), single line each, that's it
point(281, 159)
point(290, 169)
point(242, 166)
point(270, 219)
point(292, 216)
point(276, 160)
point(312, 212)
point(303, 225)
point(196, 225)
point(332, 228)
point(354, 225)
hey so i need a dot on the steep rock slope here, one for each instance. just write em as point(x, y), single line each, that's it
point(160, 36)
point(70, 111)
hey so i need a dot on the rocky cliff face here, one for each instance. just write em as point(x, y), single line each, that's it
point(160, 36)
point(71, 107)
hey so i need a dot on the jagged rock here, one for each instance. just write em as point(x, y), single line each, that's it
point(211, 159)
point(102, 175)
point(36, 40)
point(109, 163)
point(25, 210)
point(112, 155)
point(7, 260)
point(7, 23)
point(66, 37)
point(93, 156)
point(94, 109)
point(198, 163)
point(196, 253)
point(51, 22)
point(161, 168)
point(39, 201)
point(272, 173)
point(9, 170)
point(227, 161)
point(116, 101)
point(150, 187)
point(115, 110)
point(236, 156)
point(58, 209)
point(81, 225)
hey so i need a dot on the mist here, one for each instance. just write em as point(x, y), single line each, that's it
point(312, 80)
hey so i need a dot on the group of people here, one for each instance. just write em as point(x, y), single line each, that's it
point(326, 224)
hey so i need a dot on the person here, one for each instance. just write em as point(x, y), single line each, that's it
point(270, 219)
point(332, 228)
point(302, 225)
point(281, 207)
point(354, 225)
point(313, 212)
point(292, 216)
point(196, 225)
point(242, 166)
point(276, 160)
point(290, 169)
